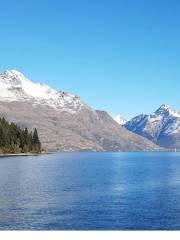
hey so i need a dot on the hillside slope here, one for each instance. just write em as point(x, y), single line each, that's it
point(64, 122)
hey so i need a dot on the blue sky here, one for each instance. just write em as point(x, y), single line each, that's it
point(122, 56)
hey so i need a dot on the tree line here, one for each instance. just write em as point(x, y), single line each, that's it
point(13, 139)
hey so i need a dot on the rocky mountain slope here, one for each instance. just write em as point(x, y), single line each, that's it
point(64, 122)
point(162, 127)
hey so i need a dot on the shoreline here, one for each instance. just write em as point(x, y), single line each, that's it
point(21, 154)
point(44, 153)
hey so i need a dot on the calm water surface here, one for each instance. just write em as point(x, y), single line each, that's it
point(91, 191)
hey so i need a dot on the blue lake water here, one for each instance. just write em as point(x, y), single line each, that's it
point(91, 191)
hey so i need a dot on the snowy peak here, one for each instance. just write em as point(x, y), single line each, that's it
point(161, 127)
point(13, 78)
point(13, 74)
point(164, 107)
point(120, 119)
point(14, 86)
point(167, 110)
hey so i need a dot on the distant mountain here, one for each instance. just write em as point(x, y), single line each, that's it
point(120, 119)
point(63, 120)
point(162, 127)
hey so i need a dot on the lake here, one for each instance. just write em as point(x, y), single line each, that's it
point(90, 191)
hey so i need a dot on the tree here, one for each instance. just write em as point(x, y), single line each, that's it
point(35, 137)
point(2, 137)
point(36, 141)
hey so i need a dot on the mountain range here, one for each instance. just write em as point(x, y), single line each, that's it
point(67, 123)
point(63, 120)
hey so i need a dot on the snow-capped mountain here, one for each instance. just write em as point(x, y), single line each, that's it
point(64, 122)
point(120, 119)
point(162, 127)
point(14, 86)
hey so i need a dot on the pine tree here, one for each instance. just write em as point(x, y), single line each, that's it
point(36, 141)
point(35, 137)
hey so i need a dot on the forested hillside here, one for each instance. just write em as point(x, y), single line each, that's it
point(13, 139)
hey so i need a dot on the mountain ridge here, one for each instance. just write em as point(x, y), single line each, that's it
point(16, 87)
point(64, 122)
